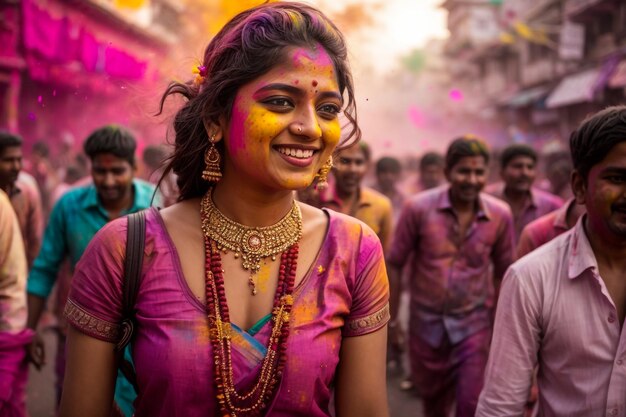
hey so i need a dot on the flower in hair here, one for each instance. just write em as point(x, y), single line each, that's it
point(200, 72)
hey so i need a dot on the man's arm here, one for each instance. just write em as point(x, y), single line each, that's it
point(503, 252)
point(35, 226)
point(43, 275)
point(514, 349)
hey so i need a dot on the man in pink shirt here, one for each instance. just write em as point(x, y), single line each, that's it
point(14, 336)
point(451, 236)
point(562, 307)
point(23, 193)
point(548, 226)
point(518, 171)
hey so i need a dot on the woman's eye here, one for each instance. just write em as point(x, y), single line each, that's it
point(330, 109)
point(279, 102)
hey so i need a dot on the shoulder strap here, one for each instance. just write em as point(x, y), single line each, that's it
point(133, 262)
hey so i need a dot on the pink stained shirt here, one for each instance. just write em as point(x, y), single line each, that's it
point(372, 208)
point(450, 281)
point(344, 294)
point(26, 201)
point(554, 311)
point(544, 229)
point(13, 271)
point(540, 203)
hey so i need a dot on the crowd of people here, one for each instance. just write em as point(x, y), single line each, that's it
point(280, 261)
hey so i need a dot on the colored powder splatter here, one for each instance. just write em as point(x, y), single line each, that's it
point(456, 95)
point(39, 99)
point(416, 116)
point(31, 116)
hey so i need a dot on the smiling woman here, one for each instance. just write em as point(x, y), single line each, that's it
point(250, 303)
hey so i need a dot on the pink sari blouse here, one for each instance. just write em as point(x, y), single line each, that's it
point(344, 294)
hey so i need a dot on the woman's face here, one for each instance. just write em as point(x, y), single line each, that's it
point(284, 124)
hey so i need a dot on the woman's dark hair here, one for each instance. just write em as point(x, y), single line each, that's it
point(111, 139)
point(248, 46)
point(596, 136)
point(515, 150)
point(468, 145)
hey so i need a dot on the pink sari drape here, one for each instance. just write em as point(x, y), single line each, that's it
point(13, 372)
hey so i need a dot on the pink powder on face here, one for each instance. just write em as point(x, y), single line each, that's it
point(237, 133)
point(319, 56)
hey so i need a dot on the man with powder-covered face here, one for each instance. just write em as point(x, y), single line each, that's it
point(78, 215)
point(451, 236)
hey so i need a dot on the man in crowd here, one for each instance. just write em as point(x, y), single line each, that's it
point(549, 226)
point(79, 214)
point(562, 307)
point(14, 336)
point(452, 236)
point(388, 173)
point(348, 196)
point(431, 171)
point(23, 193)
point(517, 170)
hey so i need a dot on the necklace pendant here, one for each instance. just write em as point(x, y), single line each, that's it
point(252, 285)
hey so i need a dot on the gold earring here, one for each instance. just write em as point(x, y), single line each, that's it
point(322, 175)
point(212, 172)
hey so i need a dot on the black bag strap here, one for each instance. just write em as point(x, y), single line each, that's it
point(133, 263)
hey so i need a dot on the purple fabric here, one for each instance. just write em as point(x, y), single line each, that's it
point(540, 203)
point(13, 373)
point(450, 374)
point(451, 287)
point(345, 293)
point(42, 32)
point(88, 51)
point(60, 40)
point(120, 64)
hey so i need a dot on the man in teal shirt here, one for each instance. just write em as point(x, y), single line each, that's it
point(76, 218)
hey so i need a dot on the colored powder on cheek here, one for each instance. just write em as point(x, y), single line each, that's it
point(237, 139)
point(333, 134)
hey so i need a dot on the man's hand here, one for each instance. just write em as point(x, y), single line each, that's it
point(396, 336)
point(36, 351)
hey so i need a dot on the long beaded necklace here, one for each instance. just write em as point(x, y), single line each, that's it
point(254, 401)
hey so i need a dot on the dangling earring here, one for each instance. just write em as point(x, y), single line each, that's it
point(212, 172)
point(322, 175)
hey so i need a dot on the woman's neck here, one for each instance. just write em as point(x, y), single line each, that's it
point(250, 205)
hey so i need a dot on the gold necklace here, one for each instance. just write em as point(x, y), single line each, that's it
point(252, 244)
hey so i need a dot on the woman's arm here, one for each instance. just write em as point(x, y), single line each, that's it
point(89, 376)
point(361, 376)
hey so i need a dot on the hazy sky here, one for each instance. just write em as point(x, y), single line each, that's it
point(391, 28)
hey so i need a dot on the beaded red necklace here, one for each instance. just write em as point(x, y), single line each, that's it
point(254, 401)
